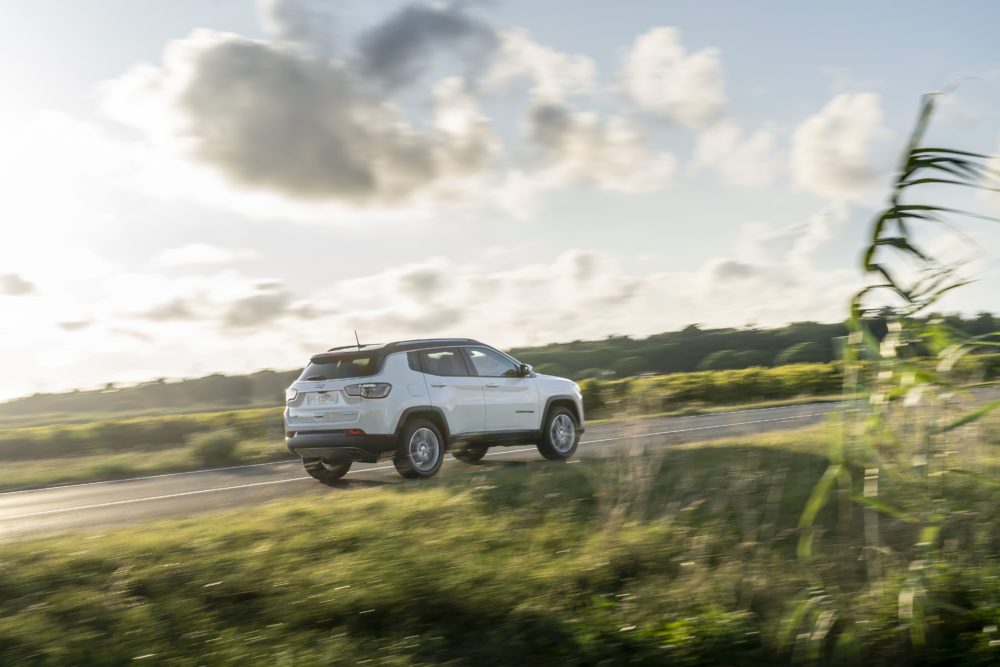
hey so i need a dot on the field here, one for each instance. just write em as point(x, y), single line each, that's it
point(686, 557)
point(128, 447)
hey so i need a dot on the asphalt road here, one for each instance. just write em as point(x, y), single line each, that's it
point(105, 504)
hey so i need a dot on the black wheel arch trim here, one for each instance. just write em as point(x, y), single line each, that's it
point(416, 409)
point(569, 399)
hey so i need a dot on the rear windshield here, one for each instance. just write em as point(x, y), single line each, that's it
point(340, 366)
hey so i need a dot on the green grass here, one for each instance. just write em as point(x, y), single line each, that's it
point(686, 557)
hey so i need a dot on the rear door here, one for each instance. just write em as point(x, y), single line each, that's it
point(453, 389)
point(511, 400)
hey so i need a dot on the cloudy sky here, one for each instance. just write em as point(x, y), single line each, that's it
point(191, 187)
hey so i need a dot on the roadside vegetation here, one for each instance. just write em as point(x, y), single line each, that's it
point(685, 556)
point(130, 446)
point(691, 349)
point(122, 447)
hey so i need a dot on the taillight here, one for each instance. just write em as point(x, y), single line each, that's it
point(290, 395)
point(369, 389)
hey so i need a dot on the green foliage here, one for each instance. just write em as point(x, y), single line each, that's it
point(731, 359)
point(802, 353)
point(631, 366)
point(214, 392)
point(902, 463)
point(136, 434)
point(215, 448)
point(593, 399)
point(595, 373)
point(701, 570)
point(552, 369)
point(668, 352)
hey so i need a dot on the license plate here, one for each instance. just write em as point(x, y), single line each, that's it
point(323, 399)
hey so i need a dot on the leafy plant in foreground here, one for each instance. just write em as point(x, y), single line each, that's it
point(894, 465)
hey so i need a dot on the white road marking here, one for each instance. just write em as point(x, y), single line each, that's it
point(136, 479)
point(295, 479)
point(150, 498)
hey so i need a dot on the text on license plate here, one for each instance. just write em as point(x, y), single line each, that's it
point(323, 399)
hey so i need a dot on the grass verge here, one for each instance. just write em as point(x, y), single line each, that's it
point(685, 557)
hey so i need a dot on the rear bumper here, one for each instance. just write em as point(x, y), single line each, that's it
point(337, 446)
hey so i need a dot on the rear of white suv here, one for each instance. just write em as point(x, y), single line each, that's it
point(414, 400)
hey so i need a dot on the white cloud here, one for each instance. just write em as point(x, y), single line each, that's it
point(12, 284)
point(200, 254)
point(553, 74)
point(663, 79)
point(230, 322)
point(273, 118)
point(582, 147)
point(748, 160)
point(830, 150)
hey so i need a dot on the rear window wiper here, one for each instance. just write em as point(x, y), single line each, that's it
point(315, 378)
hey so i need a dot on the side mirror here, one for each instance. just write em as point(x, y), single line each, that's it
point(524, 370)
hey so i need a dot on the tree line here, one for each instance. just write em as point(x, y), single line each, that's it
point(692, 348)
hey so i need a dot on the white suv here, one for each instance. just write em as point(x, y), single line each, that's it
point(416, 399)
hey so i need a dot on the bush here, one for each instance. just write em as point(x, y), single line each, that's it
point(215, 448)
point(721, 360)
point(733, 359)
point(116, 436)
point(593, 400)
point(631, 366)
point(552, 369)
point(802, 353)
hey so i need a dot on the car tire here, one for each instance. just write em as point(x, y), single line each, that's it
point(560, 434)
point(325, 471)
point(471, 454)
point(421, 450)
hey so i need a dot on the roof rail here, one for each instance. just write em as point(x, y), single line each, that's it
point(434, 340)
point(355, 346)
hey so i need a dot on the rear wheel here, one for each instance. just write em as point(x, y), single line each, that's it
point(421, 450)
point(325, 471)
point(470, 454)
point(559, 435)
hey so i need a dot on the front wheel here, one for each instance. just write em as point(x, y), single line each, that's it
point(421, 450)
point(325, 471)
point(559, 435)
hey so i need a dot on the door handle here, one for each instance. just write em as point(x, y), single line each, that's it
point(492, 385)
point(439, 385)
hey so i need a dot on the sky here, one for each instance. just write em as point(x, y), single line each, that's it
point(195, 187)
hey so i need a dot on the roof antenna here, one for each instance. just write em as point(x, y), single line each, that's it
point(356, 339)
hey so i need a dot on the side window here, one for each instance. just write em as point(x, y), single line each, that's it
point(491, 364)
point(413, 360)
point(447, 361)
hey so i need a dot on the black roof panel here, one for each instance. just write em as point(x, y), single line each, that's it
point(402, 345)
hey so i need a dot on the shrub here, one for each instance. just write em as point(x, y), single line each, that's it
point(721, 360)
point(215, 448)
point(802, 353)
point(552, 369)
point(593, 400)
point(631, 366)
